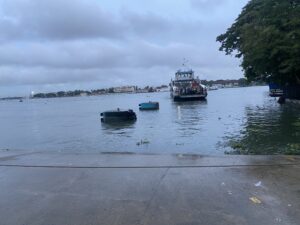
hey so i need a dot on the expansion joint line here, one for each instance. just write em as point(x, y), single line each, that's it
point(147, 167)
point(154, 193)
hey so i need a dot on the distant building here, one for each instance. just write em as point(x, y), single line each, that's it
point(219, 85)
point(125, 89)
point(230, 85)
point(83, 94)
point(163, 88)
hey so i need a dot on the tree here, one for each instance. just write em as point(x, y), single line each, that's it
point(50, 95)
point(111, 90)
point(266, 36)
point(39, 95)
point(60, 94)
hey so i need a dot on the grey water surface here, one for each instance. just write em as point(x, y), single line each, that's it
point(247, 116)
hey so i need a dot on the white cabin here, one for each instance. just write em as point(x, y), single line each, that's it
point(184, 75)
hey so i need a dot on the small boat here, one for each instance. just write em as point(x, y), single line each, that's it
point(149, 106)
point(275, 90)
point(213, 88)
point(118, 115)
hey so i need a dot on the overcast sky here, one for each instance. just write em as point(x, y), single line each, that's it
point(51, 45)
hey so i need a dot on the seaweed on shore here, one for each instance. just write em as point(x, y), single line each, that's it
point(241, 148)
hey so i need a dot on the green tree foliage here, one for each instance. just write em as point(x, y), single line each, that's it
point(266, 36)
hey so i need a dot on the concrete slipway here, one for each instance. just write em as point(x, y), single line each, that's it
point(46, 188)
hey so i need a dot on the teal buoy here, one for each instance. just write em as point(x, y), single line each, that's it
point(149, 106)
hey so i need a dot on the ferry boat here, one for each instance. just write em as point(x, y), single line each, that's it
point(186, 87)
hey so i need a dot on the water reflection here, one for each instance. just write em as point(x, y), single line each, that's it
point(269, 129)
point(118, 127)
point(190, 117)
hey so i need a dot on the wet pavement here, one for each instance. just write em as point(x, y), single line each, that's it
point(40, 188)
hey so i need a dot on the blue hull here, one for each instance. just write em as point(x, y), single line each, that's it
point(149, 106)
point(275, 90)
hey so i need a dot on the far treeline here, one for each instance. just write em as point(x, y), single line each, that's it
point(240, 82)
point(266, 36)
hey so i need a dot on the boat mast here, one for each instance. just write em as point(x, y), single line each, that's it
point(185, 62)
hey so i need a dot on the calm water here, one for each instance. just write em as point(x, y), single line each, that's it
point(242, 118)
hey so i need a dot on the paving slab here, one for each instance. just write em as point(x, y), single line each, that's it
point(91, 189)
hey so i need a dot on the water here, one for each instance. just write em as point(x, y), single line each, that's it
point(230, 121)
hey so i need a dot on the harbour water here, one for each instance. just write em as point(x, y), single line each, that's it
point(237, 120)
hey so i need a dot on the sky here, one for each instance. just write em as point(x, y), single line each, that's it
point(52, 45)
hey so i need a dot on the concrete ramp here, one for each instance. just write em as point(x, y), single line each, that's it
point(48, 188)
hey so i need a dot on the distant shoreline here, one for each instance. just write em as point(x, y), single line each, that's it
point(220, 84)
point(22, 98)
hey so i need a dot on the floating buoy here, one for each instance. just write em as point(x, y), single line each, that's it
point(118, 115)
point(149, 106)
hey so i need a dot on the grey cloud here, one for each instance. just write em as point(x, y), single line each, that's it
point(52, 44)
point(55, 19)
point(97, 54)
point(149, 54)
point(146, 23)
point(207, 5)
point(161, 29)
point(77, 19)
point(76, 54)
point(64, 63)
point(39, 75)
point(127, 65)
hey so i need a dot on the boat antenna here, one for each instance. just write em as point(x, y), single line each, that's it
point(185, 61)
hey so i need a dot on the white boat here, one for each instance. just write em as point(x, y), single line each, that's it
point(213, 88)
point(186, 87)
